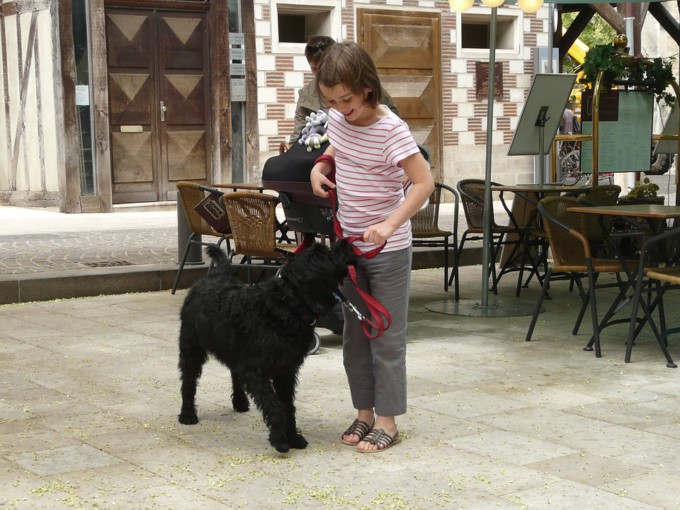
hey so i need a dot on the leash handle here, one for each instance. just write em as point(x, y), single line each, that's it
point(351, 239)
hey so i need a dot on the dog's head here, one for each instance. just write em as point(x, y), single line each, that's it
point(316, 272)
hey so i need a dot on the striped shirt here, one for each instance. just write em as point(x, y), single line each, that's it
point(368, 175)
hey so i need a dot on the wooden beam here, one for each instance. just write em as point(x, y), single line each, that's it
point(575, 29)
point(611, 16)
point(99, 110)
point(67, 123)
point(252, 156)
point(160, 4)
point(666, 20)
point(219, 78)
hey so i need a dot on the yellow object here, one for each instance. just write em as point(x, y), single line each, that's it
point(578, 52)
point(460, 5)
point(530, 5)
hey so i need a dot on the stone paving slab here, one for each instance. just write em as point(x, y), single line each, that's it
point(89, 396)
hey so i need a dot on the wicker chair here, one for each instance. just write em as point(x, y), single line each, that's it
point(607, 194)
point(472, 198)
point(571, 254)
point(427, 232)
point(190, 194)
point(253, 226)
point(660, 279)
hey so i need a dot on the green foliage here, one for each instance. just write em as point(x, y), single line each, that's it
point(654, 75)
point(643, 189)
point(597, 32)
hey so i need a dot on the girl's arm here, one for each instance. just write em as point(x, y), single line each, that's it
point(318, 178)
point(418, 172)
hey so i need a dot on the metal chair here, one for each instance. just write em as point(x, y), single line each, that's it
point(472, 199)
point(655, 256)
point(253, 228)
point(571, 254)
point(427, 232)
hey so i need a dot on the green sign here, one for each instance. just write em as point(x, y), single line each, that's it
point(625, 137)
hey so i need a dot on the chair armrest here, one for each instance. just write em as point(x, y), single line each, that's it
point(456, 206)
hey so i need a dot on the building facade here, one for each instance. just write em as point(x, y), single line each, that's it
point(113, 101)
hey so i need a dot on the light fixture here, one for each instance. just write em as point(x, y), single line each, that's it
point(493, 3)
point(461, 5)
point(530, 6)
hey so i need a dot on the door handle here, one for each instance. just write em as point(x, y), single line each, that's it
point(163, 108)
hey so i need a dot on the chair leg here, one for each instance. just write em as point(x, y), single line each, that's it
point(183, 261)
point(539, 303)
point(585, 299)
point(446, 264)
point(593, 311)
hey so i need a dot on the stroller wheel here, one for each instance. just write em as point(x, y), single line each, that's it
point(317, 344)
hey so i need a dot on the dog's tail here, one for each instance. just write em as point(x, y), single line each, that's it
point(219, 257)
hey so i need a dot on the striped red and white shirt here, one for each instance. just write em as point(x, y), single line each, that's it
point(368, 176)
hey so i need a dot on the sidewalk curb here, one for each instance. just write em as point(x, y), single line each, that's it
point(94, 282)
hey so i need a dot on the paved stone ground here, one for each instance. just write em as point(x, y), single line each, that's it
point(89, 396)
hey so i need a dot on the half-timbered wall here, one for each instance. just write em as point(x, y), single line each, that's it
point(29, 152)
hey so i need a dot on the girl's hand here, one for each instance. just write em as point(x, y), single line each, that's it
point(379, 233)
point(319, 180)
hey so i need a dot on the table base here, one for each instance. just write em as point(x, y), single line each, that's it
point(497, 307)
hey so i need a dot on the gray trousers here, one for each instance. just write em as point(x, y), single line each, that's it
point(376, 369)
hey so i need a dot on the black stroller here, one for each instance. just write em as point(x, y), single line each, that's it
point(306, 214)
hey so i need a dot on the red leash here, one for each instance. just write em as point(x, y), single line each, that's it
point(379, 318)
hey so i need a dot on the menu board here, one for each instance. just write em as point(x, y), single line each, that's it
point(625, 141)
point(671, 128)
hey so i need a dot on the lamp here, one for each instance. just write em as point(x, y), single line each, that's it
point(530, 6)
point(461, 5)
point(493, 3)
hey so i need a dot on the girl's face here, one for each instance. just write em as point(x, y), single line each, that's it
point(352, 106)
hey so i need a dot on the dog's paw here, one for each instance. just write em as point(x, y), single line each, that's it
point(298, 442)
point(188, 419)
point(241, 404)
point(282, 447)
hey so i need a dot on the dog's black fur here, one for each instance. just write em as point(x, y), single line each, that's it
point(262, 333)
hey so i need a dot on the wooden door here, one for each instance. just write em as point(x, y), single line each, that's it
point(158, 93)
point(405, 47)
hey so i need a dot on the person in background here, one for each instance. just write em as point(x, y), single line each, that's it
point(371, 150)
point(308, 97)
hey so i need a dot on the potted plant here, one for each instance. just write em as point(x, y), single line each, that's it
point(644, 192)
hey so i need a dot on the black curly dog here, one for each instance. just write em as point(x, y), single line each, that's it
point(262, 333)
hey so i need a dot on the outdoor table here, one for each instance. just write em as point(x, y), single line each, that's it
point(630, 213)
point(524, 215)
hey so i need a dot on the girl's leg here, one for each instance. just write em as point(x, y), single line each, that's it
point(376, 369)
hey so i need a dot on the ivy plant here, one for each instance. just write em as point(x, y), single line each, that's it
point(653, 74)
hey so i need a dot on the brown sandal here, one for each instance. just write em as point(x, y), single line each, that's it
point(381, 439)
point(357, 428)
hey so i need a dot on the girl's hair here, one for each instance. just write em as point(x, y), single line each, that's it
point(316, 46)
point(350, 65)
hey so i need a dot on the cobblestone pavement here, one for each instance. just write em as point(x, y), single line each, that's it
point(36, 253)
point(44, 240)
point(36, 240)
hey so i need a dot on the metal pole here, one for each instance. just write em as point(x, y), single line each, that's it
point(488, 206)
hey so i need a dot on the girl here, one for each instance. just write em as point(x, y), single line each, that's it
point(372, 151)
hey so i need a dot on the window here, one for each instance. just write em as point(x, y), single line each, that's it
point(474, 33)
point(295, 21)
